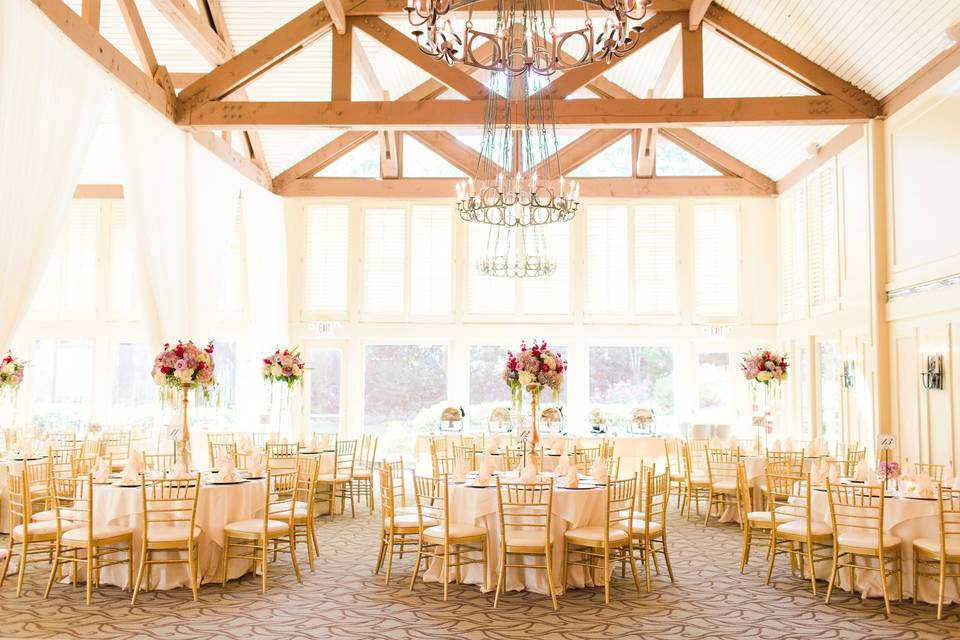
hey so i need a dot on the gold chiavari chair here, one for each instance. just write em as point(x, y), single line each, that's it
point(935, 471)
point(525, 512)
point(281, 456)
point(169, 526)
point(597, 547)
point(220, 451)
point(85, 466)
point(363, 470)
point(585, 457)
point(117, 445)
point(398, 475)
point(223, 437)
point(398, 531)
point(62, 439)
point(606, 449)
point(446, 542)
point(260, 439)
point(848, 465)
point(511, 458)
point(793, 460)
point(856, 512)
point(304, 498)
point(650, 524)
point(932, 555)
point(80, 540)
point(61, 460)
point(756, 524)
point(698, 486)
point(34, 538)
point(477, 442)
point(442, 464)
point(438, 446)
point(159, 461)
point(90, 447)
point(38, 474)
point(722, 476)
point(794, 531)
point(467, 454)
point(339, 484)
point(255, 538)
point(676, 467)
point(613, 468)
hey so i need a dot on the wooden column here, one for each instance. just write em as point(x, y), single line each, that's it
point(692, 42)
point(879, 329)
point(341, 82)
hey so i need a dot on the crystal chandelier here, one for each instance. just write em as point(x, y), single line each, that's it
point(518, 180)
point(556, 49)
point(516, 252)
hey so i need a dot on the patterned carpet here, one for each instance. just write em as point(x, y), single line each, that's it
point(710, 601)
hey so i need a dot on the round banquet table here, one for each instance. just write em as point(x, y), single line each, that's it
point(908, 519)
point(217, 506)
point(478, 506)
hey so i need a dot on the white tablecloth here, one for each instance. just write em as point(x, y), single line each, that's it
point(908, 519)
point(216, 508)
point(478, 506)
point(756, 467)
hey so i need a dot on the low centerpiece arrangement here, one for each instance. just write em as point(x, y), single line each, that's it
point(282, 370)
point(179, 369)
point(532, 370)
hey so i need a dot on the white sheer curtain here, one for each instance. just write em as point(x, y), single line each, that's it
point(51, 98)
point(182, 202)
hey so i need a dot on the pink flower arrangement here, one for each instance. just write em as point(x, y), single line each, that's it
point(11, 372)
point(888, 470)
point(764, 366)
point(284, 366)
point(184, 366)
point(533, 369)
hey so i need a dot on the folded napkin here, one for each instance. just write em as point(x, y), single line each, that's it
point(325, 441)
point(26, 451)
point(909, 471)
point(256, 466)
point(563, 465)
point(130, 475)
point(716, 443)
point(227, 471)
point(817, 473)
point(101, 474)
point(834, 474)
point(180, 470)
point(812, 450)
point(494, 443)
point(948, 478)
point(573, 480)
point(862, 474)
point(247, 448)
point(788, 444)
point(136, 459)
point(529, 474)
point(599, 471)
point(461, 470)
point(487, 465)
point(775, 447)
point(924, 486)
point(482, 480)
point(732, 443)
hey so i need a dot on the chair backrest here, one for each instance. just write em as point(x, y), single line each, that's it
point(170, 501)
point(398, 480)
point(675, 457)
point(849, 463)
point(584, 457)
point(159, 461)
point(744, 493)
point(73, 503)
point(220, 451)
point(525, 508)
point(38, 478)
point(281, 456)
point(511, 458)
point(935, 471)
point(722, 464)
point(280, 503)
point(793, 460)
point(61, 460)
point(656, 496)
point(948, 510)
point(116, 443)
point(62, 439)
point(606, 449)
point(858, 507)
point(388, 497)
point(431, 498)
point(308, 469)
point(87, 464)
point(613, 468)
point(260, 439)
point(438, 446)
point(441, 464)
point(621, 496)
point(688, 468)
point(788, 496)
point(18, 495)
point(368, 453)
point(468, 453)
point(223, 437)
point(346, 457)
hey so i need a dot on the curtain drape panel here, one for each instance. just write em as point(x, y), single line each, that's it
point(51, 99)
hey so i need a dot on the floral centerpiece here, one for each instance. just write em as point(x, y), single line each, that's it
point(764, 366)
point(284, 366)
point(532, 370)
point(11, 373)
point(180, 369)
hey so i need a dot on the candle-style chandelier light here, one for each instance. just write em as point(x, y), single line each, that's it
point(516, 252)
point(439, 37)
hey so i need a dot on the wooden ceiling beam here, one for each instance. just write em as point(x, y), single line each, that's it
point(404, 46)
point(98, 191)
point(138, 34)
point(927, 76)
point(692, 46)
point(488, 8)
point(698, 9)
point(644, 152)
point(391, 149)
point(341, 79)
point(789, 61)
point(447, 146)
point(590, 188)
point(337, 15)
point(90, 11)
point(587, 113)
point(225, 151)
point(195, 29)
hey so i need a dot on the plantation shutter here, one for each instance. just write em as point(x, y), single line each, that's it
point(655, 259)
point(325, 272)
point(716, 268)
point(383, 260)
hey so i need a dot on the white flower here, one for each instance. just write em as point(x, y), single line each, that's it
point(8, 368)
point(763, 376)
point(276, 370)
point(550, 362)
point(527, 378)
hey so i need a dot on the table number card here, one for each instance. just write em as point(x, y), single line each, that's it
point(173, 431)
point(525, 433)
point(886, 442)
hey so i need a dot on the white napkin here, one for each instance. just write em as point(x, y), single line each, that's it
point(948, 479)
point(247, 449)
point(573, 480)
point(775, 447)
point(599, 471)
point(256, 466)
point(136, 459)
point(732, 443)
point(812, 449)
point(227, 471)
point(26, 451)
point(563, 465)
point(482, 480)
point(494, 442)
point(834, 474)
point(180, 470)
point(488, 466)
point(788, 444)
point(461, 470)
point(529, 474)
point(909, 471)
point(862, 473)
point(715, 443)
point(314, 444)
point(130, 474)
point(924, 486)
point(325, 441)
point(101, 474)
point(817, 473)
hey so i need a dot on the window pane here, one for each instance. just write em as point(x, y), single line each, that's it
point(383, 257)
point(626, 377)
point(326, 267)
point(829, 370)
point(713, 385)
point(487, 389)
point(122, 271)
point(606, 259)
point(655, 259)
point(62, 372)
point(803, 371)
point(431, 260)
point(134, 391)
point(671, 160)
point(325, 390)
point(405, 388)
point(716, 269)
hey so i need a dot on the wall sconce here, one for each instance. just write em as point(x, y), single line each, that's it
point(849, 376)
point(932, 378)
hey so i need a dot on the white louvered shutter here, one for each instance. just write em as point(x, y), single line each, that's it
point(655, 259)
point(716, 260)
point(325, 270)
point(607, 260)
point(384, 233)
point(431, 260)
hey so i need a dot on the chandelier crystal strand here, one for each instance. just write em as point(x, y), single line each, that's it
point(439, 37)
point(516, 252)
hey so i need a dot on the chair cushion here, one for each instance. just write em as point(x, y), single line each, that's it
point(404, 510)
point(529, 538)
point(761, 518)
point(866, 540)
point(796, 511)
point(44, 516)
point(457, 530)
point(328, 477)
point(255, 525)
point(171, 533)
point(410, 521)
point(726, 486)
point(362, 474)
point(593, 535)
point(799, 528)
point(99, 533)
point(47, 530)
point(932, 546)
point(639, 523)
